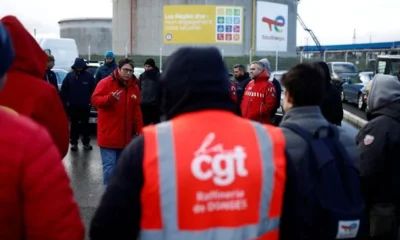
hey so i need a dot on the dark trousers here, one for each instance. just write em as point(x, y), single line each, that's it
point(79, 125)
point(151, 114)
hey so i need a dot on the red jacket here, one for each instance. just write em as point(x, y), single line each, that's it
point(119, 119)
point(36, 199)
point(259, 99)
point(27, 93)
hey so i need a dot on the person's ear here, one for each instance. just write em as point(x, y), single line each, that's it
point(288, 98)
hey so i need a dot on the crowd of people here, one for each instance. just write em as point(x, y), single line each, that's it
point(189, 154)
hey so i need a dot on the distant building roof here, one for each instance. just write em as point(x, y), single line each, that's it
point(83, 19)
point(357, 46)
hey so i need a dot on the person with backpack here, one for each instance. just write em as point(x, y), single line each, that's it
point(378, 143)
point(329, 198)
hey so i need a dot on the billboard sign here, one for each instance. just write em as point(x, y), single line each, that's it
point(203, 24)
point(272, 27)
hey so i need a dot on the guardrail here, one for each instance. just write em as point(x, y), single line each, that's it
point(357, 121)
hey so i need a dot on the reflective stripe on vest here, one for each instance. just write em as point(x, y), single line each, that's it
point(267, 228)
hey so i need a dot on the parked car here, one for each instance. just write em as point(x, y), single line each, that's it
point(92, 67)
point(60, 74)
point(365, 77)
point(342, 72)
point(137, 71)
point(354, 89)
point(278, 75)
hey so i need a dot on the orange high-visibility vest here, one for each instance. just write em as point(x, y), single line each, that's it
point(211, 175)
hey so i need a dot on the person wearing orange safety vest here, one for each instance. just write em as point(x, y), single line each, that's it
point(206, 173)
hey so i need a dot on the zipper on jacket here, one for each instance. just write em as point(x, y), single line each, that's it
point(126, 109)
point(248, 106)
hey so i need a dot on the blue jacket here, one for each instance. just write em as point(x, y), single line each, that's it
point(77, 89)
point(105, 70)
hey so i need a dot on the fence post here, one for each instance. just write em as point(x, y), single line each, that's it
point(89, 53)
point(160, 58)
point(301, 56)
point(325, 56)
point(222, 53)
point(366, 58)
point(251, 55)
point(276, 60)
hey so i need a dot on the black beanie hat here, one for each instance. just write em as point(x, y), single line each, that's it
point(193, 73)
point(150, 62)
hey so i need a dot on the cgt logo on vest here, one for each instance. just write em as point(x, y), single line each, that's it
point(217, 163)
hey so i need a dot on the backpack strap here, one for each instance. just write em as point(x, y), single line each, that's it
point(317, 144)
point(298, 130)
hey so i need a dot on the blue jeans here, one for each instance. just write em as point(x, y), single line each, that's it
point(109, 158)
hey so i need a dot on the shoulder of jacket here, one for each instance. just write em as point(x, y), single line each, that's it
point(20, 125)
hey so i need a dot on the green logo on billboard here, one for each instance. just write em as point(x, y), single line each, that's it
point(220, 20)
point(228, 11)
point(237, 12)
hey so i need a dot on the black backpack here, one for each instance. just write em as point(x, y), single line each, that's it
point(330, 200)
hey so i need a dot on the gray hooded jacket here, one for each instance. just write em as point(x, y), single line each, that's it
point(379, 142)
point(311, 118)
point(385, 89)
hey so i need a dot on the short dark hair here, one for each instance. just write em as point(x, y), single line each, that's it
point(240, 66)
point(124, 61)
point(305, 85)
point(259, 64)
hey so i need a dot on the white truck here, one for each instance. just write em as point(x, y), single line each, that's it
point(64, 51)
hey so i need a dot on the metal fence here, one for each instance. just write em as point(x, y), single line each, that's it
point(360, 59)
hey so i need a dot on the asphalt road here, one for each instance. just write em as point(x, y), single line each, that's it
point(354, 110)
point(85, 171)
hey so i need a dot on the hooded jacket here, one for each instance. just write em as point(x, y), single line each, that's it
point(331, 106)
point(118, 120)
point(78, 86)
point(105, 70)
point(37, 201)
point(27, 93)
point(150, 90)
point(379, 141)
point(259, 99)
point(277, 85)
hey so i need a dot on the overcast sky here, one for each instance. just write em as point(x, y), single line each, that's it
point(333, 21)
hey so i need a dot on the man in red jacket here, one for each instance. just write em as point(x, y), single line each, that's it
point(117, 99)
point(259, 96)
point(26, 92)
point(36, 199)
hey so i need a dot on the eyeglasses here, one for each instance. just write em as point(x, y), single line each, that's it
point(127, 70)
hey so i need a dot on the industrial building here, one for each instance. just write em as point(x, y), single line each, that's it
point(139, 27)
point(92, 35)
